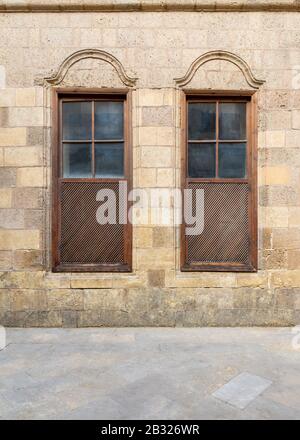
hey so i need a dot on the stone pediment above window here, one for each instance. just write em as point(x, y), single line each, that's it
point(89, 68)
point(217, 70)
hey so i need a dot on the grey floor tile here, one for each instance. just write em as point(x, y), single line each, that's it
point(242, 389)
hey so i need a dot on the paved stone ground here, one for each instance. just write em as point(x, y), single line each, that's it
point(150, 373)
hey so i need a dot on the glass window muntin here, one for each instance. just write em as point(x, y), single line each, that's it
point(193, 99)
point(93, 141)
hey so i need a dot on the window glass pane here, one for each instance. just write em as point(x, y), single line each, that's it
point(108, 120)
point(232, 121)
point(77, 121)
point(109, 160)
point(77, 159)
point(201, 160)
point(232, 160)
point(202, 121)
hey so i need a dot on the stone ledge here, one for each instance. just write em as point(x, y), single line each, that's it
point(147, 5)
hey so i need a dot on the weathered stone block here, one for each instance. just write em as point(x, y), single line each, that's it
point(5, 260)
point(278, 195)
point(163, 237)
point(156, 278)
point(35, 136)
point(22, 280)
point(11, 219)
point(157, 116)
point(259, 279)
point(274, 259)
point(65, 299)
point(33, 219)
point(8, 177)
point(70, 318)
point(27, 198)
point(28, 259)
point(22, 300)
point(288, 278)
point(285, 298)
point(265, 238)
point(3, 116)
point(105, 299)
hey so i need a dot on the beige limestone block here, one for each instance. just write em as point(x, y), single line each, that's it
point(7, 97)
point(5, 197)
point(275, 175)
point(274, 217)
point(165, 177)
point(294, 217)
point(153, 157)
point(143, 237)
point(91, 283)
point(159, 136)
point(30, 177)
point(275, 139)
point(287, 278)
point(19, 239)
point(259, 279)
point(20, 157)
point(296, 119)
point(12, 136)
point(25, 97)
point(26, 116)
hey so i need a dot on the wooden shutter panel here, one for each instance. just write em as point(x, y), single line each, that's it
point(82, 239)
point(225, 238)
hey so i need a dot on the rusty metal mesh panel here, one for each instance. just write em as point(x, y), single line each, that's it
point(225, 238)
point(82, 239)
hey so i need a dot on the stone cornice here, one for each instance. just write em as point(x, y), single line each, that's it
point(147, 5)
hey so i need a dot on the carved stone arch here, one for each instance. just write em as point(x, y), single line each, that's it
point(56, 78)
point(223, 56)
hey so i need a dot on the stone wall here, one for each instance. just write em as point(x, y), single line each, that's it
point(151, 50)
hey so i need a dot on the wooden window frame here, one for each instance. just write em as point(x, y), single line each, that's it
point(251, 129)
point(74, 94)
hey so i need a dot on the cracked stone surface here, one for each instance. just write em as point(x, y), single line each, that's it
point(150, 373)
